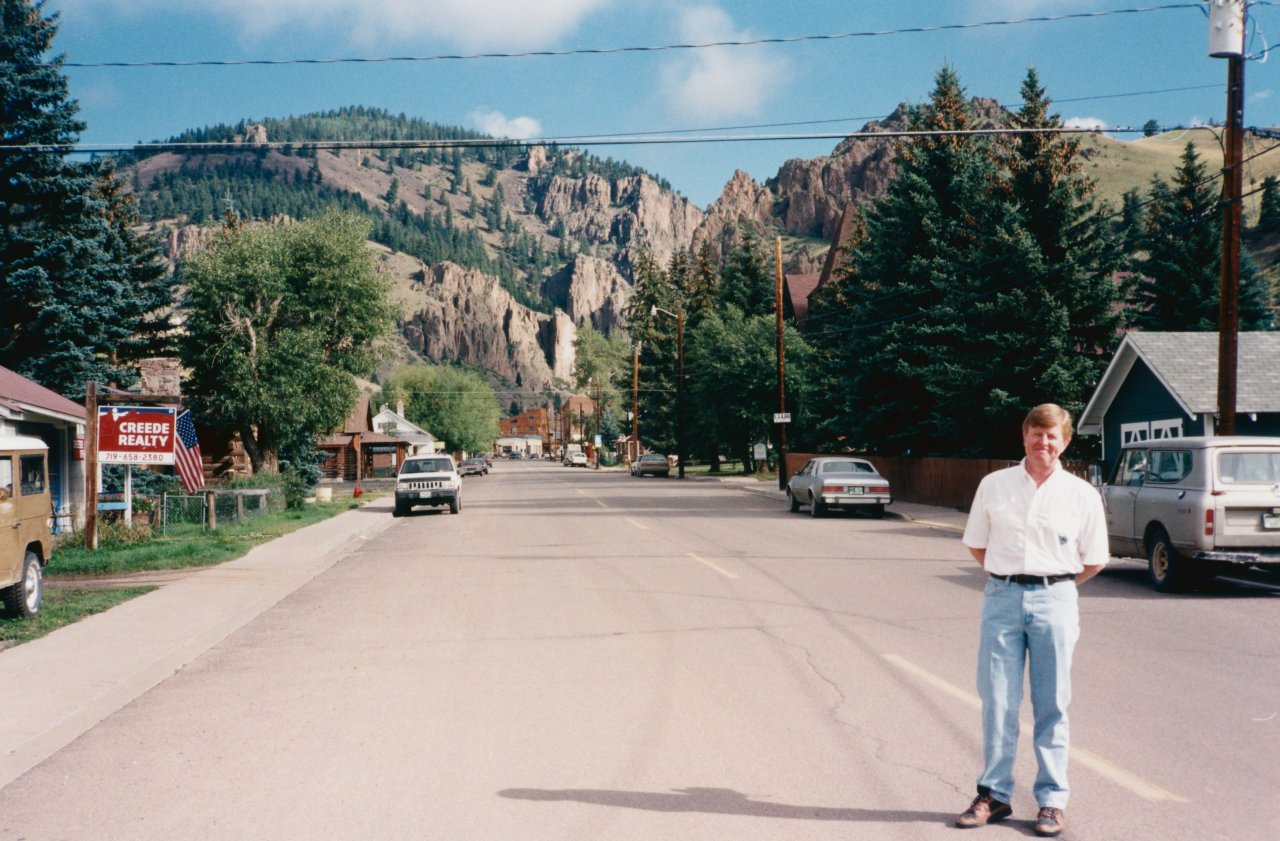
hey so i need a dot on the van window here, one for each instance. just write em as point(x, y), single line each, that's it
point(1169, 466)
point(1249, 468)
point(32, 472)
point(6, 477)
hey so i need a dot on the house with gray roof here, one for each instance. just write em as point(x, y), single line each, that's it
point(1165, 385)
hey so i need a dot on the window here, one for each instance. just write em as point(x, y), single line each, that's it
point(430, 465)
point(1169, 466)
point(6, 478)
point(1131, 468)
point(1249, 468)
point(847, 467)
point(32, 472)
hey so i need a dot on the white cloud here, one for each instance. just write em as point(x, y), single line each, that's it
point(470, 24)
point(1258, 96)
point(719, 82)
point(497, 124)
point(1084, 122)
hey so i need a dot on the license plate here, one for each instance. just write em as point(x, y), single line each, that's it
point(853, 490)
point(1271, 521)
point(426, 494)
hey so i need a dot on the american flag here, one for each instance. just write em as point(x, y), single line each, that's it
point(186, 454)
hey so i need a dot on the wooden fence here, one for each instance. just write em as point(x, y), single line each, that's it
point(945, 482)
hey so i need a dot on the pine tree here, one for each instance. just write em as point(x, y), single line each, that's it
point(918, 352)
point(1269, 206)
point(1069, 298)
point(67, 306)
point(1179, 278)
point(746, 281)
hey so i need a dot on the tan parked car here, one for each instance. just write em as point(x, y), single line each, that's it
point(25, 523)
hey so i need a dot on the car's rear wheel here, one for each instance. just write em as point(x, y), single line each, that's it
point(23, 599)
point(877, 511)
point(816, 508)
point(1169, 571)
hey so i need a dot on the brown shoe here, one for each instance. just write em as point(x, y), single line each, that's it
point(983, 810)
point(1050, 821)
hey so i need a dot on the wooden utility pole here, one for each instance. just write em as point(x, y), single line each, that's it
point(634, 449)
point(680, 454)
point(782, 372)
point(1229, 295)
point(91, 466)
point(1226, 40)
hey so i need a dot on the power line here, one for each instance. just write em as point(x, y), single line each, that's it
point(752, 42)
point(586, 140)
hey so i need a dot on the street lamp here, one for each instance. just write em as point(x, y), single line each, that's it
point(678, 315)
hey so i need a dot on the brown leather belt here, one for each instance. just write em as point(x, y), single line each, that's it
point(1046, 580)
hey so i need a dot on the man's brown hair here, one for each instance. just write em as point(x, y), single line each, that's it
point(1049, 414)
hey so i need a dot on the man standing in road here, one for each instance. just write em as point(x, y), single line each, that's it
point(1038, 531)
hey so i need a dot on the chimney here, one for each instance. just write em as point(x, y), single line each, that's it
point(400, 408)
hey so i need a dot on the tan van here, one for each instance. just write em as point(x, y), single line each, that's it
point(25, 513)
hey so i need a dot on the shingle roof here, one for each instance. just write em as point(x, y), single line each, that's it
point(798, 288)
point(1187, 364)
point(16, 392)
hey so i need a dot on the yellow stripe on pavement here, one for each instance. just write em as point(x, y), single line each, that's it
point(637, 524)
point(720, 570)
point(1080, 756)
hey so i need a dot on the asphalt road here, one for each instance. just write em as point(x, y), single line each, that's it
point(583, 655)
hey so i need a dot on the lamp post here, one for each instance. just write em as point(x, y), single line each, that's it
point(678, 315)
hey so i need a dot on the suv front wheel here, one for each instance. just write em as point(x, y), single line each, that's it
point(23, 598)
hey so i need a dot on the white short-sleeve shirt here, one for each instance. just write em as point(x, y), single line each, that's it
point(1056, 528)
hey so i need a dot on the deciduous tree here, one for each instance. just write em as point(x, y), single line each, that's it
point(279, 319)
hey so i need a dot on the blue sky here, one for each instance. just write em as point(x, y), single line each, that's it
point(841, 82)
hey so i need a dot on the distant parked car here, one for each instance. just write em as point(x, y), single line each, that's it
point(839, 482)
point(577, 460)
point(476, 466)
point(428, 480)
point(651, 464)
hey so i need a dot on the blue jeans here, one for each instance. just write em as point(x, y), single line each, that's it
point(1020, 622)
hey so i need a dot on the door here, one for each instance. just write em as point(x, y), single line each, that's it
point(1120, 498)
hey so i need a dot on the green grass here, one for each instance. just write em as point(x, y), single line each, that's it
point(189, 546)
point(64, 607)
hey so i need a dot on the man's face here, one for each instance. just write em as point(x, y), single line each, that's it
point(1044, 444)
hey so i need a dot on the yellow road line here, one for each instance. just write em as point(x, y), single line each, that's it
point(1080, 756)
point(718, 569)
point(601, 504)
point(637, 524)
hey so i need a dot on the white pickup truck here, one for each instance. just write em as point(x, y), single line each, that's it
point(1195, 507)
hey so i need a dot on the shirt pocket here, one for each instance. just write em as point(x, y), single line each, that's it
point(1058, 532)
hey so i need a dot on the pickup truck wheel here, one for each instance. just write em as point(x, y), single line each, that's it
point(1169, 572)
point(795, 503)
point(23, 598)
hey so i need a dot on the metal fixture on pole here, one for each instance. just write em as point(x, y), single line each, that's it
point(1226, 40)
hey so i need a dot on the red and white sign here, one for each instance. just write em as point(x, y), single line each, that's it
point(136, 434)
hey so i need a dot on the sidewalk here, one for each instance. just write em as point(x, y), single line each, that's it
point(61, 685)
point(925, 515)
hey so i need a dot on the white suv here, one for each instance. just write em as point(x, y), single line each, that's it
point(1195, 507)
point(428, 480)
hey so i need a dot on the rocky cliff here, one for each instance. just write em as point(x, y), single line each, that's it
point(458, 314)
